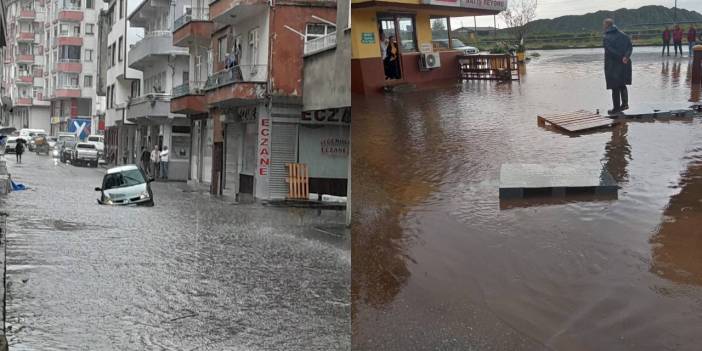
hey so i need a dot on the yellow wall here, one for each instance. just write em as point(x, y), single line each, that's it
point(365, 21)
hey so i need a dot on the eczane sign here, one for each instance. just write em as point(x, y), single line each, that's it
point(496, 5)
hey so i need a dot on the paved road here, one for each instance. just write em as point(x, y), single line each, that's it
point(192, 273)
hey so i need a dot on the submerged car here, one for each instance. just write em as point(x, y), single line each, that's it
point(125, 185)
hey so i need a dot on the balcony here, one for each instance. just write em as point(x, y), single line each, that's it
point(189, 98)
point(24, 101)
point(66, 92)
point(27, 14)
point(38, 72)
point(67, 40)
point(150, 50)
point(239, 84)
point(194, 28)
point(224, 10)
point(149, 106)
point(27, 58)
point(25, 36)
point(72, 14)
point(68, 66)
point(320, 44)
point(25, 79)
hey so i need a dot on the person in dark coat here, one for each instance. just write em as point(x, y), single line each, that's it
point(19, 149)
point(677, 39)
point(666, 41)
point(618, 50)
point(393, 57)
point(691, 38)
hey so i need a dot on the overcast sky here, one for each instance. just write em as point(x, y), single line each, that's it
point(556, 8)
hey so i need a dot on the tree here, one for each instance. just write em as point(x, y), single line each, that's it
point(517, 17)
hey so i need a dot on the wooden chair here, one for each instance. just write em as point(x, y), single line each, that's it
point(298, 181)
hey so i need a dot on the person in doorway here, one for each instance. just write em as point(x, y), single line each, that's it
point(19, 150)
point(384, 52)
point(393, 57)
point(666, 41)
point(155, 159)
point(618, 50)
point(691, 38)
point(677, 40)
point(164, 162)
point(145, 158)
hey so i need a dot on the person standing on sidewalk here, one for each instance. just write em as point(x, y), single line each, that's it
point(145, 158)
point(666, 41)
point(154, 161)
point(691, 37)
point(164, 162)
point(618, 50)
point(677, 40)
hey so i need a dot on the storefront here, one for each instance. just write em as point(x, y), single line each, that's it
point(419, 27)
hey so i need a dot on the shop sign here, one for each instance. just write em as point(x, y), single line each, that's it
point(55, 119)
point(368, 38)
point(335, 146)
point(264, 145)
point(327, 116)
point(247, 114)
point(496, 5)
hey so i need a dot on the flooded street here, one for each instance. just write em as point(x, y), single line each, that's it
point(440, 264)
point(192, 273)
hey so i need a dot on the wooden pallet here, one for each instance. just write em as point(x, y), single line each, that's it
point(577, 121)
point(298, 181)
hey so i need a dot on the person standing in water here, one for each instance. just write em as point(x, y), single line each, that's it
point(617, 68)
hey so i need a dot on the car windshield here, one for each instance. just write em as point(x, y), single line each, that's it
point(455, 43)
point(93, 138)
point(123, 179)
point(86, 146)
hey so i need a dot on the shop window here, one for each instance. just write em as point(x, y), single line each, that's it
point(406, 31)
point(440, 37)
point(88, 81)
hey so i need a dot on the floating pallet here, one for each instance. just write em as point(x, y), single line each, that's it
point(298, 181)
point(554, 180)
point(577, 121)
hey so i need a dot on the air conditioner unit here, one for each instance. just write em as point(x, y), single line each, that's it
point(430, 60)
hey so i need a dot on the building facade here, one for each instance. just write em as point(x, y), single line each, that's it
point(163, 66)
point(71, 69)
point(25, 65)
point(419, 26)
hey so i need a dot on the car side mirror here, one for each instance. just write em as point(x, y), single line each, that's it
point(98, 189)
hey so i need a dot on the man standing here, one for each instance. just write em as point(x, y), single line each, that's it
point(154, 161)
point(691, 37)
point(145, 156)
point(666, 41)
point(164, 162)
point(618, 49)
point(677, 40)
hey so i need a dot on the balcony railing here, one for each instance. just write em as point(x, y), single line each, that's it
point(150, 97)
point(190, 88)
point(320, 44)
point(237, 74)
point(69, 87)
point(67, 60)
point(197, 14)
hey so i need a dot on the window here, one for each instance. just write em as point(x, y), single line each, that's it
point(88, 55)
point(109, 101)
point(121, 11)
point(112, 54)
point(89, 4)
point(406, 33)
point(68, 80)
point(88, 81)
point(89, 29)
point(120, 49)
point(317, 30)
point(63, 29)
point(440, 37)
point(69, 53)
point(222, 47)
point(76, 30)
point(109, 54)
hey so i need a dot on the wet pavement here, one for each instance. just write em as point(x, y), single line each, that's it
point(191, 273)
point(439, 263)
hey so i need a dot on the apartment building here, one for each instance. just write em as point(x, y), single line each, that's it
point(163, 66)
point(25, 64)
point(121, 83)
point(5, 102)
point(249, 131)
point(71, 69)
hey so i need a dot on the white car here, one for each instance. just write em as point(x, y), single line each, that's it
point(10, 144)
point(125, 185)
point(455, 45)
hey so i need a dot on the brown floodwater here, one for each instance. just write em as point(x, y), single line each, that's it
point(439, 263)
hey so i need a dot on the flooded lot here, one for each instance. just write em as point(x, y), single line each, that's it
point(440, 263)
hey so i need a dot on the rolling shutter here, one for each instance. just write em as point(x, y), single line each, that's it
point(283, 151)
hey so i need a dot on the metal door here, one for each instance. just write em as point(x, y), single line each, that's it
point(283, 151)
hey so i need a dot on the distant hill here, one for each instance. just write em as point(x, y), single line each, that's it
point(624, 18)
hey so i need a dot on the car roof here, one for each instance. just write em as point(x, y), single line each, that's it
point(122, 169)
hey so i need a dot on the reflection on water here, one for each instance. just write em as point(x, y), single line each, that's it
point(440, 263)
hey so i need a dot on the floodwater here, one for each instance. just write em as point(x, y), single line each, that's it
point(439, 263)
point(193, 272)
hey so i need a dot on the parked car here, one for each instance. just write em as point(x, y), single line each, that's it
point(125, 185)
point(99, 142)
point(84, 154)
point(66, 136)
point(455, 45)
point(10, 144)
point(66, 150)
point(52, 142)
